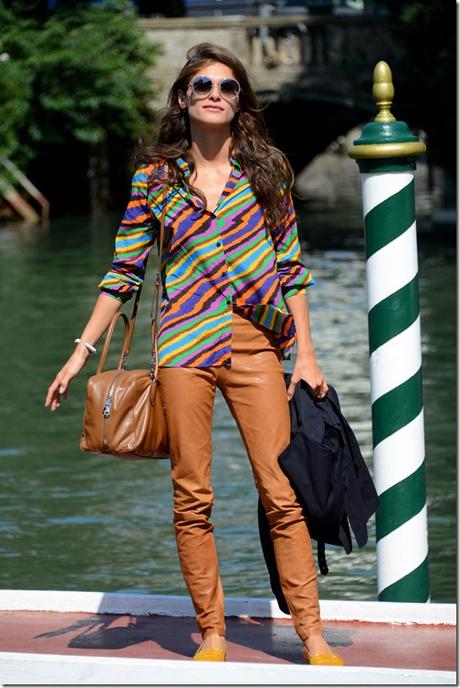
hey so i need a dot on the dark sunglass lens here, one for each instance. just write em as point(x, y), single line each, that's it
point(202, 85)
point(229, 87)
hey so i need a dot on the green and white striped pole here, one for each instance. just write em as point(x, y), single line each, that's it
point(385, 153)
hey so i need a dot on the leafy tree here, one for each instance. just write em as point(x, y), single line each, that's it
point(78, 75)
point(16, 78)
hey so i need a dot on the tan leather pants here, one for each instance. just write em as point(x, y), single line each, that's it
point(255, 392)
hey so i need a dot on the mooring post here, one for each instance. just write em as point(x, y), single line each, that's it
point(386, 153)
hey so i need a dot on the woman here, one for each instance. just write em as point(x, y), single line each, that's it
point(233, 304)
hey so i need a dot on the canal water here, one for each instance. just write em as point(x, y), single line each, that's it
point(75, 521)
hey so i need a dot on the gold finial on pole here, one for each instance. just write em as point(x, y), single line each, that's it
point(383, 92)
point(385, 137)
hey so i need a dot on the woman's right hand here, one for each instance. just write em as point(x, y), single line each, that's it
point(61, 382)
point(104, 310)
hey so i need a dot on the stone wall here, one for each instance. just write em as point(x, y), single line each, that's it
point(284, 56)
point(176, 41)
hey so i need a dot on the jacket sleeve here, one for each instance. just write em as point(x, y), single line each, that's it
point(294, 276)
point(135, 237)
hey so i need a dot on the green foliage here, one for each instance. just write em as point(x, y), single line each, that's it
point(16, 79)
point(79, 74)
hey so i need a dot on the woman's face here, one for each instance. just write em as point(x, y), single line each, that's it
point(212, 109)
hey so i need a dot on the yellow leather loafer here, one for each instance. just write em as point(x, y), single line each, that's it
point(210, 654)
point(322, 659)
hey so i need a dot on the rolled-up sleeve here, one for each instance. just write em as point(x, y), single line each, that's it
point(135, 237)
point(294, 276)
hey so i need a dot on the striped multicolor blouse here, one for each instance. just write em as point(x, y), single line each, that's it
point(212, 262)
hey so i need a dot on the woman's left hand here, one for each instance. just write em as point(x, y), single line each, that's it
point(306, 368)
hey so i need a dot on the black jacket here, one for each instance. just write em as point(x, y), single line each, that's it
point(329, 475)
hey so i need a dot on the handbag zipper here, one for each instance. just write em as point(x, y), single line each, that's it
point(107, 409)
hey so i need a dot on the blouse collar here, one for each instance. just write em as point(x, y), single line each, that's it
point(235, 173)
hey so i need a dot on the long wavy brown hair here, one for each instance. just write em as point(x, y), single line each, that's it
point(264, 165)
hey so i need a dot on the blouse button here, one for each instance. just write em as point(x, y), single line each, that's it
point(219, 243)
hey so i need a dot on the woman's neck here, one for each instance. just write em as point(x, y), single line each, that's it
point(210, 149)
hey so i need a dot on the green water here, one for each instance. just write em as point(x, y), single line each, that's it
point(76, 521)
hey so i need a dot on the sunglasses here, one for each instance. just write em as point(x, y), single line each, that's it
point(228, 88)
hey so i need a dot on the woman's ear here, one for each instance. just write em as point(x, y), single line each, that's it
point(181, 99)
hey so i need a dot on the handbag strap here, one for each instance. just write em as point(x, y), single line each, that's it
point(154, 310)
point(129, 325)
point(108, 339)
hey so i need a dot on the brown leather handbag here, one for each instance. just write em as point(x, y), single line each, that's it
point(123, 414)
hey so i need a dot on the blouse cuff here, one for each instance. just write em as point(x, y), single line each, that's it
point(297, 289)
point(115, 295)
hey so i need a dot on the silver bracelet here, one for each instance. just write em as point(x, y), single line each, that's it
point(90, 347)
